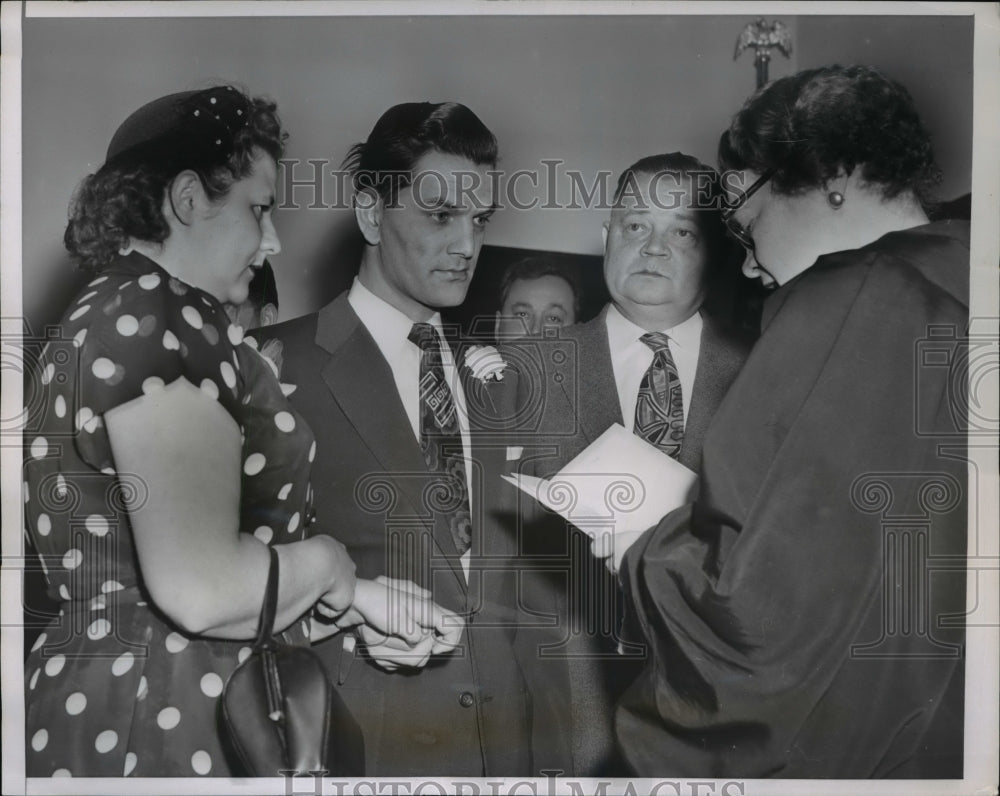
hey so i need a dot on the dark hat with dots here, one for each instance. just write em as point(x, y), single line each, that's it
point(206, 120)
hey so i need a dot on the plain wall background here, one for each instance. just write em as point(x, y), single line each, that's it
point(595, 92)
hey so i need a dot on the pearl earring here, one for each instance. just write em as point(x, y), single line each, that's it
point(836, 199)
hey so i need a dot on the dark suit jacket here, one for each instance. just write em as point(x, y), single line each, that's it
point(467, 713)
point(566, 399)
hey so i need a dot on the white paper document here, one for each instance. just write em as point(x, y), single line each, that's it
point(619, 482)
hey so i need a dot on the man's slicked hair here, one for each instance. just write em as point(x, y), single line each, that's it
point(385, 163)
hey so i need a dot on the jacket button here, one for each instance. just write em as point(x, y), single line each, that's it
point(466, 700)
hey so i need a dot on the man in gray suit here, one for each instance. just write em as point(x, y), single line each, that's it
point(652, 361)
point(404, 475)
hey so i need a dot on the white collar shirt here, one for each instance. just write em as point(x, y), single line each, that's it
point(631, 358)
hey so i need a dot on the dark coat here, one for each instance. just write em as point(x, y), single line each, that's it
point(804, 615)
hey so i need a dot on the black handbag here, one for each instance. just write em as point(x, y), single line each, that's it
point(280, 714)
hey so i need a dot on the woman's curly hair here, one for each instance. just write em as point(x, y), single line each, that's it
point(818, 123)
point(123, 201)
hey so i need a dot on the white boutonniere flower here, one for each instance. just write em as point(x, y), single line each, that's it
point(485, 363)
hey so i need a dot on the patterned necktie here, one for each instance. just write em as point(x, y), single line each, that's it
point(441, 438)
point(659, 412)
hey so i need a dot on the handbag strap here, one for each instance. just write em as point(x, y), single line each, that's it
point(265, 630)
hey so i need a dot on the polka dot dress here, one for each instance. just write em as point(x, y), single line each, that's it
point(113, 688)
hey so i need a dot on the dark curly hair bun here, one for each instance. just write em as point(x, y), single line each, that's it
point(819, 123)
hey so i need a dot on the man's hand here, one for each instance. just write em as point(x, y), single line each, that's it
point(399, 623)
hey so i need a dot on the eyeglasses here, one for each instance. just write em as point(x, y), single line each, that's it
point(735, 228)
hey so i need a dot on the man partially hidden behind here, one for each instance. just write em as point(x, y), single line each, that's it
point(402, 477)
point(651, 361)
point(536, 294)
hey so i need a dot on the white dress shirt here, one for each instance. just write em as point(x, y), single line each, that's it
point(390, 329)
point(631, 358)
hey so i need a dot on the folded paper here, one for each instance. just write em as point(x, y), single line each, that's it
point(618, 483)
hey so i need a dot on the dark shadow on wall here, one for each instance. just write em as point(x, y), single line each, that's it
point(336, 260)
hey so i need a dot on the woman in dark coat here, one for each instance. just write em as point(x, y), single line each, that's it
point(801, 615)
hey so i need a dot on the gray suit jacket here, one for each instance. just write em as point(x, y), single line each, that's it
point(574, 378)
point(566, 398)
point(467, 713)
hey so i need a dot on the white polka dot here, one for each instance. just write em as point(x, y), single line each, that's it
point(192, 316)
point(108, 470)
point(312, 451)
point(211, 685)
point(143, 689)
point(61, 772)
point(228, 374)
point(79, 337)
point(288, 389)
point(110, 586)
point(44, 524)
point(284, 491)
point(97, 281)
point(60, 485)
point(293, 523)
point(106, 741)
point(103, 368)
point(80, 312)
point(39, 447)
point(72, 559)
point(305, 627)
point(235, 334)
point(64, 592)
point(87, 297)
point(127, 325)
point(76, 703)
point(55, 665)
point(176, 642)
point(210, 388)
point(152, 384)
point(48, 373)
point(130, 761)
point(83, 416)
point(60, 406)
point(34, 679)
point(149, 281)
point(243, 654)
point(39, 642)
point(40, 740)
point(123, 663)
point(201, 762)
point(284, 421)
point(170, 341)
point(254, 464)
point(99, 603)
point(26, 490)
point(92, 425)
point(98, 629)
point(97, 525)
point(168, 718)
point(264, 533)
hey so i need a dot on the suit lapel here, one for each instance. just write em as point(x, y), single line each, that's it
point(718, 364)
point(375, 410)
point(598, 396)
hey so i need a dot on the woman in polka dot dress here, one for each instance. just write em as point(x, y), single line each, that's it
point(168, 458)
